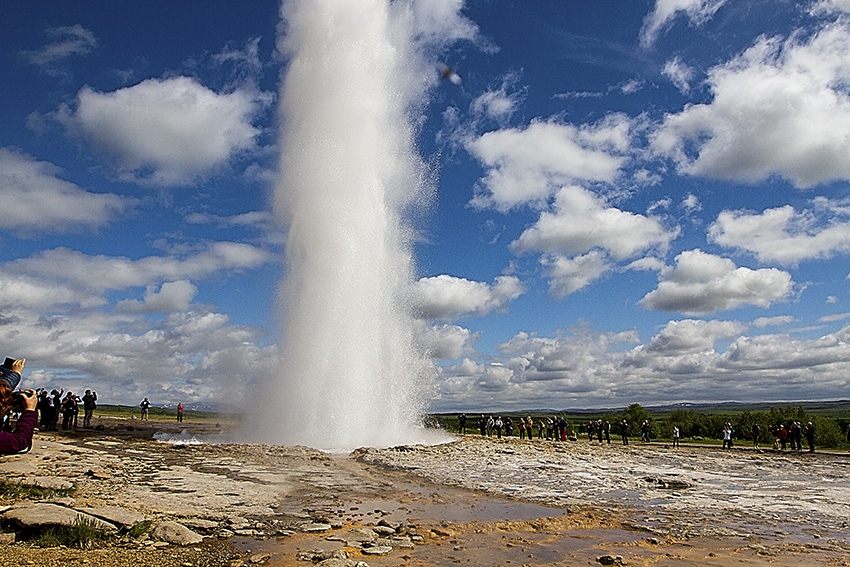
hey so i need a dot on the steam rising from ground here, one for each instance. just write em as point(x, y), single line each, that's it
point(350, 374)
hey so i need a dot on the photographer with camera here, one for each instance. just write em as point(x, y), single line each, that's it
point(23, 402)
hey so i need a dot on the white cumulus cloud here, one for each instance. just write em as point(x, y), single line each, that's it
point(446, 342)
point(171, 297)
point(447, 297)
point(567, 275)
point(581, 222)
point(784, 235)
point(36, 200)
point(527, 165)
point(166, 132)
point(703, 283)
point(690, 336)
point(780, 108)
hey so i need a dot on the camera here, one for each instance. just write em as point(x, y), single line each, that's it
point(9, 362)
point(18, 402)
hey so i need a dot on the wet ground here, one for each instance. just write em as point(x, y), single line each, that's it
point(475, 501)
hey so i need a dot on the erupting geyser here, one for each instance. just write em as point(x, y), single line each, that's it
point(350, 375)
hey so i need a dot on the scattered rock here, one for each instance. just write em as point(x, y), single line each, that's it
point(392, 525)
point(100, 475)
point(610, 560)
point(317, 555)
point(668, 483)
point(337, 562)
point(377, 550)
point(177, 534)
point(259, 558)
point(383, 530)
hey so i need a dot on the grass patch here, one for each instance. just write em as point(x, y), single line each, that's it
point(16, 491)
point(83, 535)
point(138, 530)
point(165, 414)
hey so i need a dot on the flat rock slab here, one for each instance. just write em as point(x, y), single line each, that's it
point(175, 533)
point(45, 482)
point(17, 466)
point(121, 517)
point(41, 515)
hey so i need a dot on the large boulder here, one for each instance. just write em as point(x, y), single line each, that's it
point(42, 515)
point(175, 533)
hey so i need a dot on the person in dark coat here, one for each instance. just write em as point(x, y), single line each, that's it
point(810, 436)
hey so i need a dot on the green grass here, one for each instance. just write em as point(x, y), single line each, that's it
point(139, 529)
point(15, 491)
point(83, 535)
point(162, 414)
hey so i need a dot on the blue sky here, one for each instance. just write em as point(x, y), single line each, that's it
point(635, 202)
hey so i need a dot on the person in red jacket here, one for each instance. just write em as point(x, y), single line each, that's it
point(19, 440)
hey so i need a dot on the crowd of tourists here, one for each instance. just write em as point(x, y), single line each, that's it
point(549, 428)
point(557, 428)
point(58, 403)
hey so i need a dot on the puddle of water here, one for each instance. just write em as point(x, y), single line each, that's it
point(427, 510)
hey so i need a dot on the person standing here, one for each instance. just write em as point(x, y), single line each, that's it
point(89, 405)
point(810, 436)
point(797, 431)
point(145, 405)
point(180, 414)
point(755, 432)
point(69, 406)
point(57, 407)
point(19, 440)
point(461, 419)
point(608, 432)
point(624, 431)
point(675, 436)
point(45, 409)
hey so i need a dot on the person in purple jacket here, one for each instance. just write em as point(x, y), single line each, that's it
point(19, 440)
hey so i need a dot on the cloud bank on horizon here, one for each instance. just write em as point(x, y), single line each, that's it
point(652, 210)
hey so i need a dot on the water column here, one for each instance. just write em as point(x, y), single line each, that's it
point(350, 374)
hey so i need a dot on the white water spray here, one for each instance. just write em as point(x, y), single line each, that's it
point(351, 375)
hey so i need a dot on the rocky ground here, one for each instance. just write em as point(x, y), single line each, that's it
point(473, 502)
